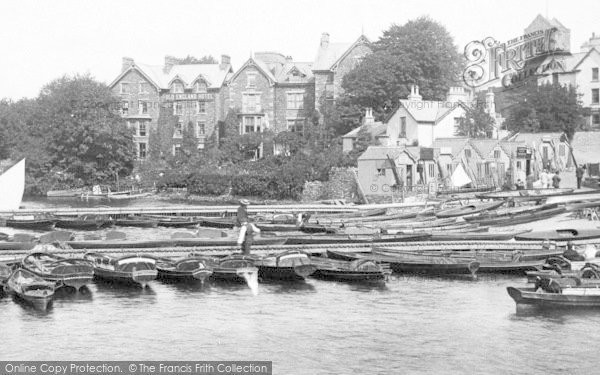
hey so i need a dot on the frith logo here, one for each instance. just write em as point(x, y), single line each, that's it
point(515, 61)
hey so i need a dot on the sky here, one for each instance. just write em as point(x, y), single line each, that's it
point(46, 39)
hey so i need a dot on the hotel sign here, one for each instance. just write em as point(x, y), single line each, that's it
point(523, 153)
point(190, 96)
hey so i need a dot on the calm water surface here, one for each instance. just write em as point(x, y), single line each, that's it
point(411, 325)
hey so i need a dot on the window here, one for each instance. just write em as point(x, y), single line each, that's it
point(487, 169)
point(177, 88)
point(295, 100)
point(200, 145)
point(449, 168)
point(456, 124)
point(596, 119)
point(144, 88)
point(200, 129)
point(142, 128)
point(178, 133)
point(252, 124)
point(595, 96)
point(295, 125)
point(402, 127)
point(251, 83)
point(200, 107)
point(561, 150)
point(125, 88)
point(496, 154)
point(176, 149)
point(431, 170)
point(142, 150)
point(143, 108)
point(381, 172)
point(124, 108)
point(250, 103)
point(467, 153)
point(200, 87)
point(519, 165)
point(555, 78)
point(594, 74)
point(178, 108)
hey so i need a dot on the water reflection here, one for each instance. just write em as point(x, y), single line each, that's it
point(280, 287)
point(34, 309)
point(365, 286)
point(188, 286)
point(555, 315)
point(127, 292)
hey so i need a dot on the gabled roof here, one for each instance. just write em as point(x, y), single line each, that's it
point(327, 57)
point(484, 146)
point(382, 152)
point(376, 129)
point(456, 145)
point(303, 68)
point(586, 147)
point(261, 66)
point(537, 138)
point(188, 74)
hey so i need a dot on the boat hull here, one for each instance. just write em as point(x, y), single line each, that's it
point(31, 224)
point(141, 278)
point(349, 276)
point(529, 297)
point(292, 273)
point(175, 242)
point(467, 210)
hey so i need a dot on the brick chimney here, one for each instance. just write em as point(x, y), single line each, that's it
point(225, 61)
point(169, 62)
point(369, 119)
point(414, 94)
point(324, 40)
point(127, 63)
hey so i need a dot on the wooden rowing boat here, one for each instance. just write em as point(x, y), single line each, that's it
point(469, 209)
point(557, 293)
point(170, 242)
point(360, 270)
point(30, 288)
point(345, 238)
point(70, 272)
point(32, 222)
point(85, 222)
point(513, 216)
point(291, 265)
point(565, 234)
point(129, 269)
point(524, 194)
point(185, 269)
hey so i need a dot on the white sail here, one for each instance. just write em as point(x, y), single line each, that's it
point(459, 177)
point(12, 186)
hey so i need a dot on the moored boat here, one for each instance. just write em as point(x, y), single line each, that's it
point(177, 221)
point(557, 293)
point(225, 223)
point(289, 265)
point(360, 270)
point(129, 269)
point(170, 242)
point(30, 288)
point(524, 193)
point(348, 238)
point(137, 221)
point(62, 271)
point(468, 209)
point(185, 269)
point(84, 222)
point(66, 193)
point(516, 217)
point(560, 235)
point(234, 268)
point(32, 222)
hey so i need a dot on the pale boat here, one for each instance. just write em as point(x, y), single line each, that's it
point(31, 288)
point(12, 187)
point(129, 269)
point(575, 197)
point(524, 194)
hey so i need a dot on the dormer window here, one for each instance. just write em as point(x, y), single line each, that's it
point(200, 87)
point(177, 88)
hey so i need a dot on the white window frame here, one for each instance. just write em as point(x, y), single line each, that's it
point(125, 107)
point(139, 149)
point(256, 108)
point(251, 80)
point(178, 131)
point(200, 125)
point(124, 88)
point(142, 124)
point(295, 100)
point(200, 107)
point(178, 108)
point(177, 87)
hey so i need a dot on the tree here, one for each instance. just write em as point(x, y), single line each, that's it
point(545, 108)
point(420, 52)
point(85, 135)
point(477, 122)
point(189, 59)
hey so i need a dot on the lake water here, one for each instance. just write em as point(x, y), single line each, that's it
point(410, 325)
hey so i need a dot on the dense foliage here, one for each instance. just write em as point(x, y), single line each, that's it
point(189, 59)
point(71, 135)
point(477, 122)
point(545, 108)
point(420, 52)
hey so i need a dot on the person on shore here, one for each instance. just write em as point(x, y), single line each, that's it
point(556, 180)
point(245, 238)
point(579, 174)
point(544, 178)
point(520, 185)
point(529, 181)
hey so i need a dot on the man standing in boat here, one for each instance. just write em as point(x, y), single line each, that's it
point(247, 229)
point(579, 174)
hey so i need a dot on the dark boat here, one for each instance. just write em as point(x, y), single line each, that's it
point(516, 217)
point(129, 269)
point(267, 227)
point(421, 264)
point(85, 222)
point(566, 234)
point(469, 209)
point(31, 222)
point(559, 267)
point(557, 293)
point(474, 236)
point(137, 221)
point(226, 223)
point(170, 242)
point(289, 265)
point(185, 269)
point(5, 271)
point(62, 271)
point(234, 268)
point(345, 238)
point(317, 228)
point(10, 245)
point(30, 288)
point(524, 194)
point(360, 270)
point(177, 221)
